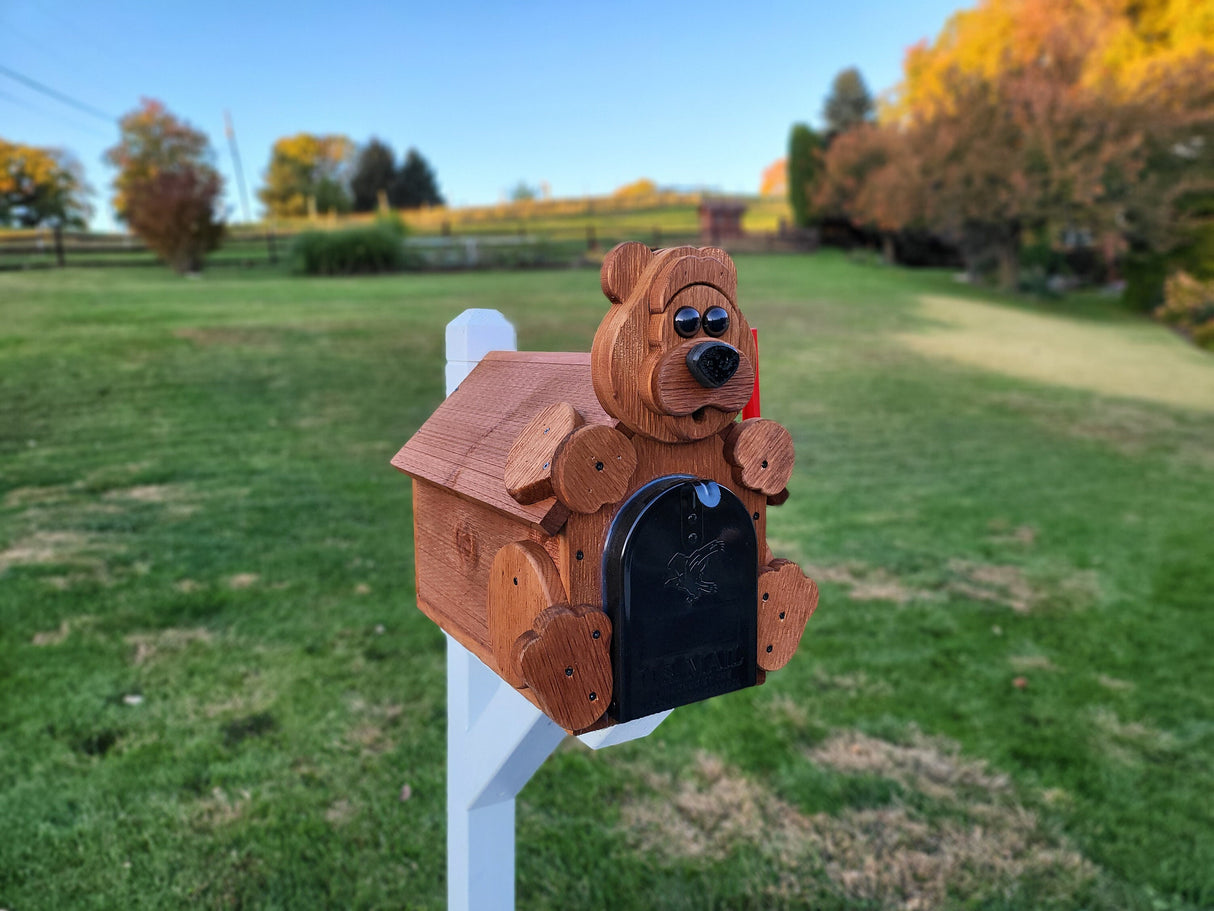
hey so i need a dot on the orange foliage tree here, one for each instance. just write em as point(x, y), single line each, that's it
point(166, 188)
point(774, 180)
point(153, 141)
point(1042, 117)
point(871, 176)
point(40, 186)
point(639, 188)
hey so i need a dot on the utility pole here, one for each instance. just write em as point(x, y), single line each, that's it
point(244, 195)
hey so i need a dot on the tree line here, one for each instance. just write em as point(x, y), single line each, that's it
point(310, 174)
point(169, 192)
point(1029, 125)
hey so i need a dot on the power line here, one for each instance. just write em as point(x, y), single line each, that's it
point(58, 96)
point(22, 103)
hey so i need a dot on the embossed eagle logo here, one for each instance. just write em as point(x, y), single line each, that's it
point(686, 573)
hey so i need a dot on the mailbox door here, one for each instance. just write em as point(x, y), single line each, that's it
point(680, 577)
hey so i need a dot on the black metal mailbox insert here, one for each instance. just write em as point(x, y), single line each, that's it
point(680, 578)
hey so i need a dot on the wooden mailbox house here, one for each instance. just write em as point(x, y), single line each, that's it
point(593, 526)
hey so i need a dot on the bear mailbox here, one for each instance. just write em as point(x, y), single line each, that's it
point(592, 526)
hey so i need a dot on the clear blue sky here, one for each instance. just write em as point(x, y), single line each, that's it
point(584, 96)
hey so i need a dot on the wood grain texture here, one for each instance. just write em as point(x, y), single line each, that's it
point(455, 542)
point(787, 599)
point(592, 467)
point(674, 391)
point(528, 470)
point(566, 661)
point(622, 268)
point(703, 266)
point(761, 453)
point(701, 459)
point(523, 583)
point(635, 335)
point(582, 541)
point(520, 472)
point(463, 446)
point(778, 499)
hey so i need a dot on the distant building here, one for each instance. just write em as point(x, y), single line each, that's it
point(720, 219)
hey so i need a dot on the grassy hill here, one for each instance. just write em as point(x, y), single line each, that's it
point(216, 690)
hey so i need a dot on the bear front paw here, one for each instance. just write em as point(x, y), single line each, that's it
point(566, 660)
point(585, 466)
point(761, 453)
point(787, 599)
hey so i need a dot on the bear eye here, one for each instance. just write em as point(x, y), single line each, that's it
point(687, 321)
point(716, 321)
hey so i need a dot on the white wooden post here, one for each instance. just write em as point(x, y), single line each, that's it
point(496, 739)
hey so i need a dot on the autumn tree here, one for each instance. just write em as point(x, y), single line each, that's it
point(804, 145)
point(774, 179)
point(415, 184)
point(167, 190)
point(374, 173)
point(1040, 118)
point(1128, 47)
point(306, 175)
point(871, 176)
point(41, 186)
point(639, 188)
point(848, 104)
point(1027, 153)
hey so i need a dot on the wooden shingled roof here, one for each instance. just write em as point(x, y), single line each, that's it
point(463, 445)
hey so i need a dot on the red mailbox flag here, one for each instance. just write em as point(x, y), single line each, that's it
point(752, 407)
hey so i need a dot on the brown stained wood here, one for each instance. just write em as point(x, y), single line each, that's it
point(497, 499)
point(701, 459)
point(761, 452)
point(464, 444)
point(585, 537)
point(556, 517)
point(528, 470)
point(523, 583)
point(708, 266)
point(592, 468)
point(566, 661)
point(675, 391)
point(622, 268)
point(587, 534)
point(486, 658)
point(634, 337)
point(787, 599)
point(455, 542)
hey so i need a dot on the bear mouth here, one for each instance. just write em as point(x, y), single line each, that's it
point(700, 414)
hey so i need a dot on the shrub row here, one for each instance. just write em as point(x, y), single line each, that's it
point(353, 251)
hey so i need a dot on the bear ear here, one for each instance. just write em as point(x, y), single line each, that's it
point(719, 255)
point(622, 268)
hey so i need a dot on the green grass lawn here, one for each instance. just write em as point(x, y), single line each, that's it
point(216, 691)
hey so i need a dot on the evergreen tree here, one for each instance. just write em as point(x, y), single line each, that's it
point(375, 170)
point(415, 184)
point(849, 103)
point(803, 166)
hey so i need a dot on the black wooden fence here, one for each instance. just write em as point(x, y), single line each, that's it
point(53, 248)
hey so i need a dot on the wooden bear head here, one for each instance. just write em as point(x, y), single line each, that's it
point(674, 359)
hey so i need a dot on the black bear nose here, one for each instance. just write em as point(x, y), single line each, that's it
point(713, 363)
